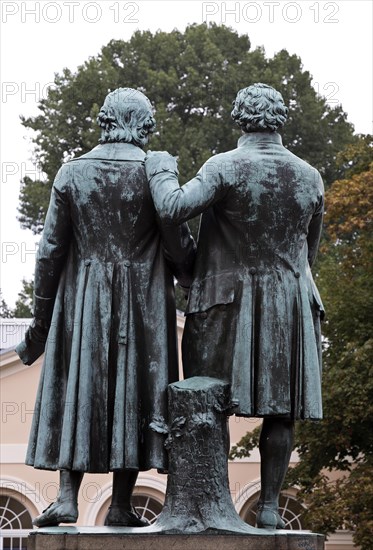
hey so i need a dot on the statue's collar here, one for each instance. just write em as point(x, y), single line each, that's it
point(259, 137)
point(115, 151)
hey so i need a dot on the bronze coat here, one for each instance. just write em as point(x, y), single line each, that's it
point(253, 316)
point(104, 276)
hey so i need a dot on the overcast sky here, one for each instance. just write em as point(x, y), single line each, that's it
point(39, 38)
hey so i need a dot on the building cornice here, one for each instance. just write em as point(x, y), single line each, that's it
point(11, 364)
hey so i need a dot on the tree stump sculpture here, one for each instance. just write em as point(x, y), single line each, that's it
point(198, 497)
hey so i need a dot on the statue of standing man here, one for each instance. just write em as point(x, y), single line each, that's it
point(253, 315)
point(104, 303)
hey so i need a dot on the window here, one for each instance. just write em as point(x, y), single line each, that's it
point(148, 507)
point(15, 524)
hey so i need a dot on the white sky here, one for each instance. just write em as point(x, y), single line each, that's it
point(39, 38)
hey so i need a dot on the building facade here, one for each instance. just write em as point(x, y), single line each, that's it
point(26, 492)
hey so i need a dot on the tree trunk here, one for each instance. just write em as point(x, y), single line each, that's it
point(198, 496)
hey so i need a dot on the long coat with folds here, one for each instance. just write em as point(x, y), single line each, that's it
point(253, 316)
point(104, 276)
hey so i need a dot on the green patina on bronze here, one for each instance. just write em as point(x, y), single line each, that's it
point(104, 291)
point(253, 314)
point(104, 282)
point(254, 310)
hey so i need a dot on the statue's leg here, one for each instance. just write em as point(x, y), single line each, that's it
point(65, 509)
point(121, 512)
point(70, 482)
point(275, 445)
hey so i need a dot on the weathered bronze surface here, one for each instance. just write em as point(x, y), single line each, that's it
point(253, 315)
point(198, 497)
point(104, 284)
point(104, 296)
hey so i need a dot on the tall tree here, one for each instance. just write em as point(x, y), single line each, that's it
point(23, 309)
point(23, 304)
point(5, 311)
point(343, 442)
point(192, 78)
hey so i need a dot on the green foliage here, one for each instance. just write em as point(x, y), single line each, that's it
point(34, 200)
point(246, 444)
point(23, 309)
point(344, 440)
point(5, 311)
point(23, 303)
point(192, 79)
point(356, 158)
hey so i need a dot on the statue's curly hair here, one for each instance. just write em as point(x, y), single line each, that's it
point(126, 116)
point(259, 108)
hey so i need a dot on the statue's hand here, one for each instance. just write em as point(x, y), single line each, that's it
point(30, 349)
point(160, 161)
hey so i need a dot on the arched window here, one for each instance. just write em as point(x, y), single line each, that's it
point(15, 523)
point(290, 510)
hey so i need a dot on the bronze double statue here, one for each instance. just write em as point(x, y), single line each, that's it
point(115, 237)
point(104, 299)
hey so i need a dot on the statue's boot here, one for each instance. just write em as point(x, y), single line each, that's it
point(121, 513)
point(118, 516)
point(267, 517)
point(65, 509)
point(56, 513)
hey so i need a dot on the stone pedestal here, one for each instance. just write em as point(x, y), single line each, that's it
point(124, 538)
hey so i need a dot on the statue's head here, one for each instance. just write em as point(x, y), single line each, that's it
point(126, 116)
point(259, 108)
